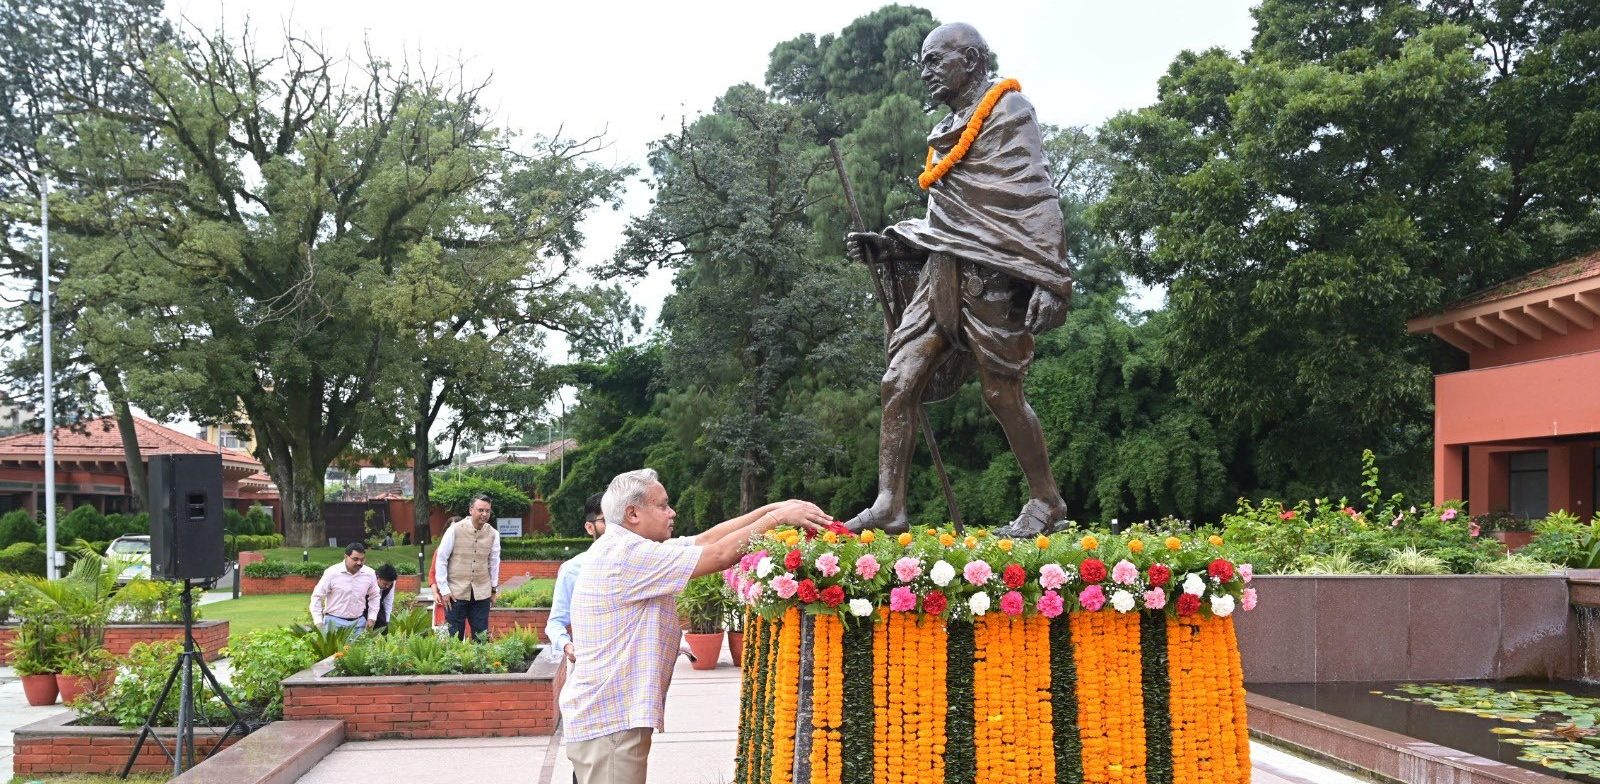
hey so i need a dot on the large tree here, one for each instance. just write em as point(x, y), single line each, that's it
point(295, 235)
point(1363, 162)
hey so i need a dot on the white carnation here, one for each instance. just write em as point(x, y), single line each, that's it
point(942, 573)
point(1194, 584)
point(860, 608)
point(1221, 605)
point(1122, 601)
point(764, 567)
point(979, 603)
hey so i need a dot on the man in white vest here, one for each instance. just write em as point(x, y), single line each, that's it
point(466, 570)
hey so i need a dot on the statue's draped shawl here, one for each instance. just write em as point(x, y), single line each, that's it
point(997, 206)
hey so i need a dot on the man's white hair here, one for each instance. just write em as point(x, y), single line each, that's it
point(626, 490)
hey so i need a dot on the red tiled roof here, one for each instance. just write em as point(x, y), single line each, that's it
point(99, 439)
point(1585, 266)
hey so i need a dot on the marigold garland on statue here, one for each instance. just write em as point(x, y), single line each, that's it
point(933, 172)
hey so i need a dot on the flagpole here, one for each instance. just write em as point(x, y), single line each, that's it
point(49, 393)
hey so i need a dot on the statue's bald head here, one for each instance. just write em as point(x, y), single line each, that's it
point(955, 61)
point(957, 36)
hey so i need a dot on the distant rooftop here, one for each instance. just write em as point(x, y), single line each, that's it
point(1585, 266)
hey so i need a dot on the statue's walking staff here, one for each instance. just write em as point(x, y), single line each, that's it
point(892, 310)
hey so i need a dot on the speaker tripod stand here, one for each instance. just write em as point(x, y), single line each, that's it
point(182, 753)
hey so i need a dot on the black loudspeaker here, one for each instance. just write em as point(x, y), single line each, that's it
point(185, 517)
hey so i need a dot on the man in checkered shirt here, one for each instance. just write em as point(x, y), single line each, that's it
point(625, 619)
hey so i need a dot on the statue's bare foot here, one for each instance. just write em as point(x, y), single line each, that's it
point(872, 519)
point(1037, 517)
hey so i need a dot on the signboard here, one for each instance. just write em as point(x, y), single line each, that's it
point(508, 526)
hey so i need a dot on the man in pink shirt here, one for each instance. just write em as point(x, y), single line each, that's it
point(625, 620)
point(347, 595)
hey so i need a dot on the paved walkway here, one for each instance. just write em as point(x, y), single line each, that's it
point(697, 748)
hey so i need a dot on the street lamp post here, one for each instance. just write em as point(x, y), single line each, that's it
point(49, 391)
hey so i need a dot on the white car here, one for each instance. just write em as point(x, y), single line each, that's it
point(133, 552)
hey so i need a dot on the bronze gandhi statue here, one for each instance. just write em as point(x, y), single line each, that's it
point(993, 273)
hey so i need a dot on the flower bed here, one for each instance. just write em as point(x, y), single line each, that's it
point(931, 656)
point(426, 706)
point(504, 619)
point(210, 636)
point(57, 745)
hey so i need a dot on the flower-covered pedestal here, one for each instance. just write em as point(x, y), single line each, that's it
point(983, 660)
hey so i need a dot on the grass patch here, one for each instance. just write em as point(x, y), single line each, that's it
point(248, 613)
point(92, 778)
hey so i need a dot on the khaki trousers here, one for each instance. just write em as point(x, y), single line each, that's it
point(618, 758)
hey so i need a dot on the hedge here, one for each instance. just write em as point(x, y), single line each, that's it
point(23, 558)
point(305, 568)
point(233, 545)
point(546, 548)
point(456, 495)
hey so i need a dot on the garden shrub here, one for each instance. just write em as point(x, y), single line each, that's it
point(1564, 539)
point(85, 523)
point(258, 522)
point(23, 558)
point(261, 660)
point(431, 654)
point(129, 702)
point(543, 548)
point(456, 494)
point(267, 569)
point(527, 595)
point(118, 524)
point(18, 525)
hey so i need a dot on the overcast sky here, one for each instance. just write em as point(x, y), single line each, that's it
point(633, 70)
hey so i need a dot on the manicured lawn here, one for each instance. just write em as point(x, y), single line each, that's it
point(248, 613)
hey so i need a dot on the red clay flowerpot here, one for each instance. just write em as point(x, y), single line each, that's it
point(735, 646)
point(73, 685)
point(40, 689)
point(1514, 540)
point(706, 648)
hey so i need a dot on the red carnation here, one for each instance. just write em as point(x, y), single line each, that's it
point(811, 533)
point(808, 591)
point(1221, 569)
point(1093, 570)
point(1188, 604)
point(833, 595)
point(838, 528)
point(1159, 575)
point(934, 603)
point(1014, 576)
point(792, 560)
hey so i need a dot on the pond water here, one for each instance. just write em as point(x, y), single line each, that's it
point(1547, 726)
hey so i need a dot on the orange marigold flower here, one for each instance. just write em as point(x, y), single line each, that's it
point(1042, 542)
point(905, 540)
point(1174, 543)
point(1005, 544)
point(1136, 546)
point(946, 540)
point(972, 541)
point(1216, 541)
point(868, 537)
point(830, 537)
point(1090, 543)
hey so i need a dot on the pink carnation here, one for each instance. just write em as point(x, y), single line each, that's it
point(1052, 576)
point(1155, 599)
point(749, 561)
point(907, 569)
point(867, 566)
point(1051, 604)
point(1248, 600)
point(1092, 598)
point(1011, 603)
point(977, 572)
point(1246, 572)
point(752, 593)
point(902, 600)
point(1124, 573)
point(785, 586)
point(828, 564)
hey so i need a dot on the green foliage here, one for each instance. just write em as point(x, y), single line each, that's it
point(1359, 164)
point(234, 544)
point(410, 620)
point(543, 548)
point(38, 648)
point(704, 602)
point(23, 558)
point(16, 526)
point(1410, 560)
point(432, 654)
point(155, 602)
point(1562, 539)
point(268, 568)
point(130, 700)
point(260, 660)
point(527, 595)
point(456, 494)
point(85, 522)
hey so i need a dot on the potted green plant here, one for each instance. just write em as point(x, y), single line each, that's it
point(91, 672)
point(35, 657)
point(81, 604)
point(702, 606)
point(1511, 530)
point(733, 621)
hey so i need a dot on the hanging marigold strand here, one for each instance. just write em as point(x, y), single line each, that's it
point(933, 172)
